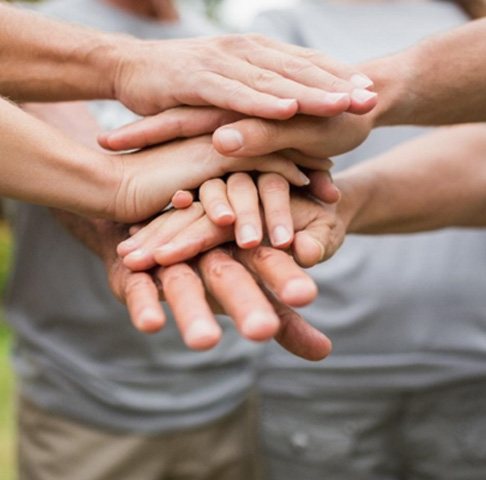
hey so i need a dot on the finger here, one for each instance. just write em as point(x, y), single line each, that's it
point(182, 199)
point(252, 137)
point(275, 196)
point(298, 336)
point(276, 163)
point(280, 274)
point(306, 161)
point(322, 186)
point(309, 248)
point(138, 251)
point(243, 197)
point(135, 229)
point(214, 199)
point(335, 76)
point(175, 123)
point(309, 90)
point(198, 237)
point(253, 314)
point(234, 95)
point(195, 320)
point(315, 137)
point(142, 299)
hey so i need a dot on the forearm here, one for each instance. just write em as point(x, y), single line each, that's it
point(41, 165)
point(46, 60)
point(434, 182)
point(439, 81)
point(100, 236)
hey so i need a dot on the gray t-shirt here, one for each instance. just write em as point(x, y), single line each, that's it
point(404, 312)
point(76, 352)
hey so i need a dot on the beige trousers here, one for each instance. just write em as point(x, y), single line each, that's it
point(55, 448)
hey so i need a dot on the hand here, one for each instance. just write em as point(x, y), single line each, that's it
point(245, 137)
point(259, 314)
point(250, 74)
point(180, 235)
point(237, 201)
point(148, 179)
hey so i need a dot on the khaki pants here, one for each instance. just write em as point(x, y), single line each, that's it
point(55, 448)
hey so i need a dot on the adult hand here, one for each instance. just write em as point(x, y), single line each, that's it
point(268, 280)
point(240, 136)
point(250, 74)
point(148, 179)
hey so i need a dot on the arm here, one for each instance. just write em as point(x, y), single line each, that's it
point(434, 182)
point(249, 74)
point(41, 165)
point(439, 81)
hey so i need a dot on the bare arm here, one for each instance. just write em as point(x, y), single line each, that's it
point(46, 60)
point(41, 165)
point(433, 182)
point(439, 81)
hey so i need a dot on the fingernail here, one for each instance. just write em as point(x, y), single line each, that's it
point(299, 291)
point(248, 234)
point(362, 96)
point(281, 235)
point(287, 102)
point(334, 98)
point(230, 139)
point(136, 255)
point(148, 318)
point(201, 334)
point(304, 179)
point(222, 211)
point(127, 245)
point(260, 326)
point(361, 81)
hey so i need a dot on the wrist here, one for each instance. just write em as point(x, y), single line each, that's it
point(394, 79)
point(109, 58)
point(356, 192)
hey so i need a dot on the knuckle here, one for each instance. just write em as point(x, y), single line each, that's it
point(262, 254)
point(239, 180)
point(178, 275)
point(295, 66)
point(273, 183)
point(135, 283)
point(261, 130)
point(218, 266)
point(263, 79)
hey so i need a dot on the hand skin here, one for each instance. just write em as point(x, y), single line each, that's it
point(256, 317)
point(418, 186)
point(183, 234)
point(41, 165)
point(439, 81)
point(257, 313)
point(433, 182)
point(242, 201)
point(246, 73)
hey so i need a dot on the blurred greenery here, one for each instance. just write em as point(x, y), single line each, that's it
point(7, 418)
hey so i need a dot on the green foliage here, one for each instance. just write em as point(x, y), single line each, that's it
point(7, 421)
point(4, 254)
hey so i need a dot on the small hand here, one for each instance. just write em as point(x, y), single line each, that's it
point(180, 235)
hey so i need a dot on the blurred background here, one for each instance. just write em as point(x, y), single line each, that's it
point(233, 15)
